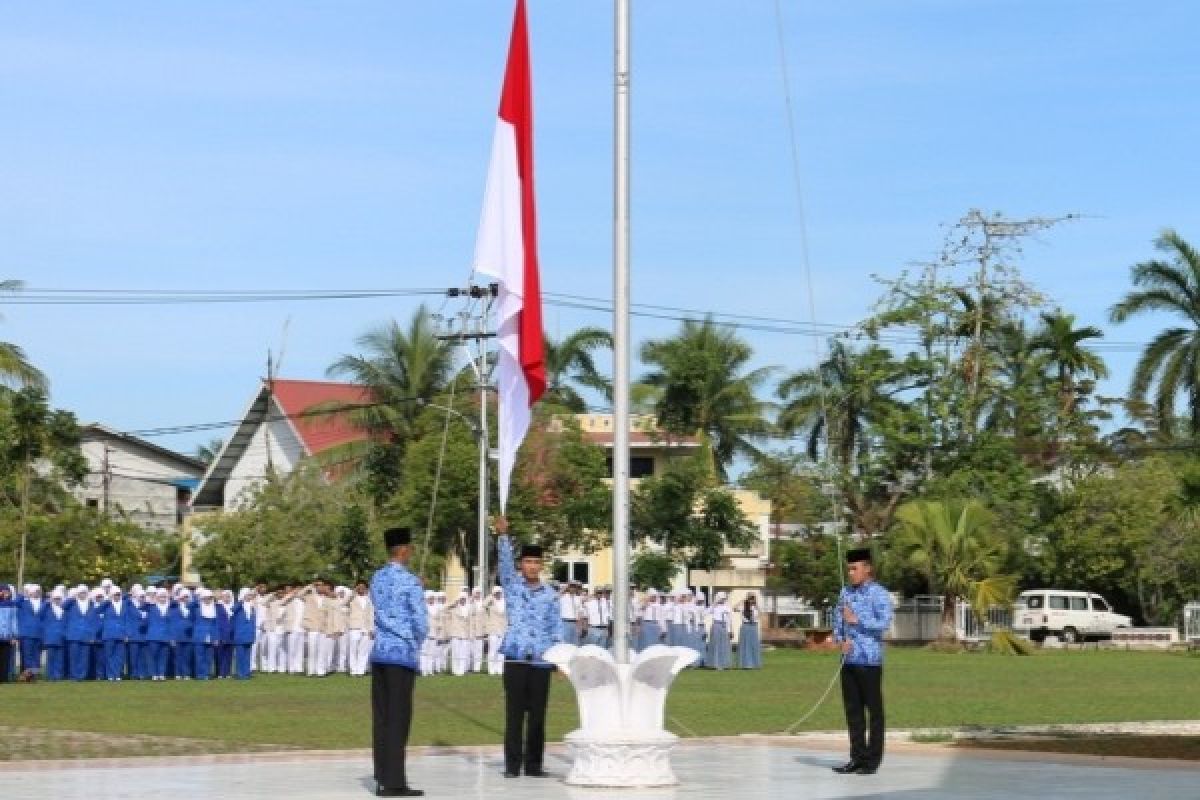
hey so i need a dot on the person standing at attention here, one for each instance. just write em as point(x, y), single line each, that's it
point(400, 627)
point(534, 626)
point(864, 613)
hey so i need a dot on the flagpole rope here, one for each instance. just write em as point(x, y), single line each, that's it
point(437, 480)
point(818, 349)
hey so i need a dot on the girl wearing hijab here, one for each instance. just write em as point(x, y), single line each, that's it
point(699, 623)
point(81, 615)
point(8, 629)
point(159, 640)
point(749, 641)
point(223, 648)
point(497, 624)
point(98, 667)
point(245, 631)
point(139, 669)
point(54, 629)
point(183, 620)
point(29, 627)
point(114, 634)
point(720, 654)
point(204, 633)
point(648, 633)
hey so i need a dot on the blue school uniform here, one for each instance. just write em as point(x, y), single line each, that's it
point(224, 646)
point(136, 625)
point(29, 632)
point(80, 636)
point(245, 630)
point(204, 640)
point(181, 619)
point(8, 630)
point(114, 636)
point(54, 641)
point(159, 641)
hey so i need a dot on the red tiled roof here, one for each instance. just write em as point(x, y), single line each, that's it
point(321, 431)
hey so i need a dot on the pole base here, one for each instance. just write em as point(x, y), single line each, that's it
point(621, 759)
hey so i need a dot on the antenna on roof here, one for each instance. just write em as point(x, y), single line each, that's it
point(273, 365)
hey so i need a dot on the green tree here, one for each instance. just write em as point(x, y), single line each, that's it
point(1172, 359)
point(73, 543)
point(209, 451)
point(650, 569)
point(788, 481)
point(569, 364)
point(15, 367)
point(400, 367)
point(355, 553)
point(810, 567)
point(707, 388)
point(954, 547)
point(687, 516)
point(1063, 345)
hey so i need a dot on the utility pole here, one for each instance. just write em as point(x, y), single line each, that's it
point(106, 477)
point(474, 328)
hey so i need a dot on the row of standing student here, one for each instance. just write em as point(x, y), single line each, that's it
point(101, 634)
point(680, 619)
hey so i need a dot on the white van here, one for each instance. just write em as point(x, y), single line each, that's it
point(1070, 615)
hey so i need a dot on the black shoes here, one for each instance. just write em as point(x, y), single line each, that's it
point(855, 768)
point(536, 773)
point(508, 774)
point(404, 791)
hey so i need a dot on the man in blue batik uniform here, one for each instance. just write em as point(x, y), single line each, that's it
point(863, 614)
point(534, 626)
point(400, 628)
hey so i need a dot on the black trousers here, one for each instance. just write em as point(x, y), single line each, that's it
point(391, 718)
point(6, 661)
point(862, 689)
point(526, 690)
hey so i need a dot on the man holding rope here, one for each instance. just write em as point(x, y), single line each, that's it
point(864, 613)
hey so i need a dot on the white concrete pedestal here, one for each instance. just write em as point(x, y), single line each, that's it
point(621, 741)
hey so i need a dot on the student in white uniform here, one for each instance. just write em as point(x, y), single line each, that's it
point(441, 658)
point(334, 629)
point(478, 629)
point(459, 627)
point(648, 631)
point(297, 637)
point(597, 631)
point(360, 633)
point(497, 624)
point(314, 634)
point(568, 612)
point(341, 649)
point(428, 654)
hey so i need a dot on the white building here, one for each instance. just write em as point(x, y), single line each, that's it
point(142, 480)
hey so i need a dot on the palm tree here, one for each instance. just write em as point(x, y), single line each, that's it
point(1062, 344)
point(15, 369)
point(707, 388)
point(1014, 405)
point(954, 547)
point(401, 366)
point(842, 399)
point(1172, 359)
point(569, 361)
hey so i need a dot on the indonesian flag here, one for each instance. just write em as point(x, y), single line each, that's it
point(506, 250)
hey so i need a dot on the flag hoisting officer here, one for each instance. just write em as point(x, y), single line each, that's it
point(400, 627)
point(864, 613)
point(534, 626)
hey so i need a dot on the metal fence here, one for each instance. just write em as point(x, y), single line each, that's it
point(969, 628)
point(916, 619)
point(1191, 622)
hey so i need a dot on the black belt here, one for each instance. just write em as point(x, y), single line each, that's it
point(601, 627)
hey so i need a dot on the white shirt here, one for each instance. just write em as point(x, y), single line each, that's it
point(595, 614)
point(567, 607)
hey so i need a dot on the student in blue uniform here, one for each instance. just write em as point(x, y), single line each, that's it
point(139, 662)
point(54, 641)
point(244, 632)
point(98, 667)
point(401, 624)
point(8, 629)
point(720, 653)
point(114, 634)
point(182, 620)
point(80, 633)
point(159, 639)
point(29, 627)
point(204, 633)
point(223, 651)
point(749, 640)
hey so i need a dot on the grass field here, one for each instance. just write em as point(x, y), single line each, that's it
point(922, 689)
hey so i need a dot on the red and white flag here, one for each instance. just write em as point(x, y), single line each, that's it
point(506, 250)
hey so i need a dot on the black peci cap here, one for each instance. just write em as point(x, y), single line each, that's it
point(858, 554)
point(394, 537)
point(531, 551)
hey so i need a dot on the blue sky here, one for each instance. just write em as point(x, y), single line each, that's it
point(322, 144)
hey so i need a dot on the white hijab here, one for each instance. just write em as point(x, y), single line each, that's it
point(498, 599)
point(207, 610)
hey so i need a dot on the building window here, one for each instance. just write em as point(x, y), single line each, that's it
point(92, 502)
point(639, 466)
point(572, 570)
